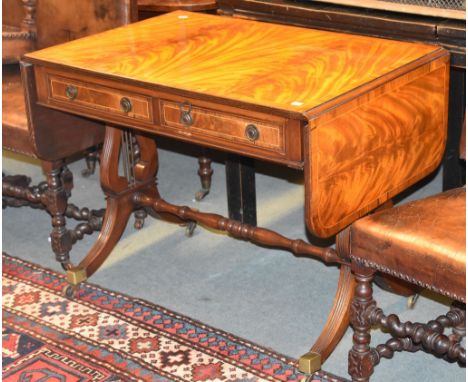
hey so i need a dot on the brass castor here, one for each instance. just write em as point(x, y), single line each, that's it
point(66, 265)
point(140, 216)
point(91, 159)
point(69, 291)
point(190, 228)
point(201, 194)
point(309, 363)
point(139, 223)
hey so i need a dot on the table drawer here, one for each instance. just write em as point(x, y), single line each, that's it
point(258, 134)
point(191, 119)
point(100, 98)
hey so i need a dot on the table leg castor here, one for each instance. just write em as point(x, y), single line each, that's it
point(69, 291)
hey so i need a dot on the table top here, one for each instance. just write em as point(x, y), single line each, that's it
point(288, 68)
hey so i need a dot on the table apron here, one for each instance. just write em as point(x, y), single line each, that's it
point(249, 133)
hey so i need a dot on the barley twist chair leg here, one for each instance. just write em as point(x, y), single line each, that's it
point(361, 358)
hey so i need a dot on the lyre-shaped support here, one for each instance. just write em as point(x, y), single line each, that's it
point(119, 191)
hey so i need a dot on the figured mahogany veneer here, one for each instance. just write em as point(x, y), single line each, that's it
point(381, 142)
point(365, 117)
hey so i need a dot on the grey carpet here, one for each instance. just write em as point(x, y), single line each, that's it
point(263, 295)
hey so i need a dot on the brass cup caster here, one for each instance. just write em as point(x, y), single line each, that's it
point(66, 265)
point(309, 363)
point(199, 195)
point(140, 216)
point(86, 172)
point(205, 185)
point(91, 159)
point(69, 291)
point(75, 276)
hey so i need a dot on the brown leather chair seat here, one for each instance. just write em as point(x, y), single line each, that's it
point(422, 242)
point(15, 132)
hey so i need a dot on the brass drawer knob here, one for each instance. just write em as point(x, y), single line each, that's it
point(251, 132)
point(126, 105)
point(71, 92)
point(185, 113)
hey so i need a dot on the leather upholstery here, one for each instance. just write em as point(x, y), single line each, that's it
point(423, 242)
point(15, 131)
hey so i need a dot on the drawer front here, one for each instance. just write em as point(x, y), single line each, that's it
point(101, 98)
point(254, 133)
point(189, 119)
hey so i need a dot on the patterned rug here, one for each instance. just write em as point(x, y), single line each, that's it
point(101, 335)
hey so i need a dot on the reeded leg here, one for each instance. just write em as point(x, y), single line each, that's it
point(338, 318)
point(57, 196)
point(335, 327)
point(205, 173)
point(118, 211)
point(360, 359)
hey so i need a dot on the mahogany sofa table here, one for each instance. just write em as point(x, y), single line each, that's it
point(363, 117)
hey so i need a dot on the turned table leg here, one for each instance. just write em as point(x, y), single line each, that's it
point(205, 172)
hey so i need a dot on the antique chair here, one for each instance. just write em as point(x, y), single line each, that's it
point(50, 136)
point(424, 243)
